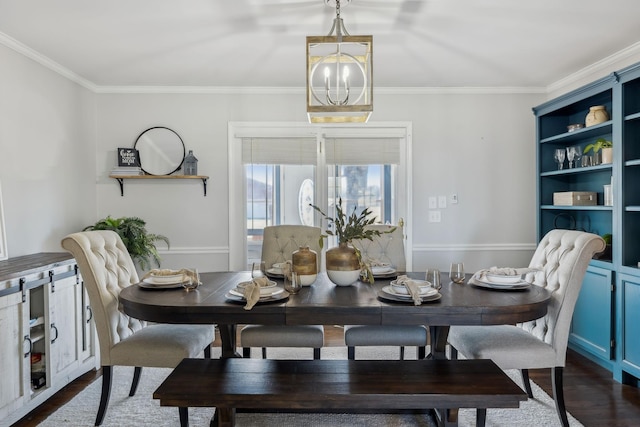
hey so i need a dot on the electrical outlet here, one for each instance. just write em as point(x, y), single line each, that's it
point(433, 203)
point(442, 202)
point(434, 216)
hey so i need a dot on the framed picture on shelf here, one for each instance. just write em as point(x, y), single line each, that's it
point(128, 157)
point(3, 237)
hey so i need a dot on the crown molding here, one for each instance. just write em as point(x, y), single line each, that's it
point(604, 66)
point(14, 44)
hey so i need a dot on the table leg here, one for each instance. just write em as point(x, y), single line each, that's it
point(439, 335)
point(228, 338)
point(224, 417)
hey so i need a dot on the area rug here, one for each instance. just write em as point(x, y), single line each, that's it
point(143, 410)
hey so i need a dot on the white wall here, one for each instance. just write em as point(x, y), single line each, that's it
point(477, 145)
point(47, 155)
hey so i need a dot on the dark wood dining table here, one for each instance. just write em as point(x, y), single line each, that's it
point(328, 304)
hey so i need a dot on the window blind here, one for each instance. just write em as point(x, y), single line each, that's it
point(279, 151)
point(362, 151)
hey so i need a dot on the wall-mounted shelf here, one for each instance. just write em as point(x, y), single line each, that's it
point(121, 178)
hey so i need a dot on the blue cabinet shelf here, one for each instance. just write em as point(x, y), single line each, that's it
point(606, 321)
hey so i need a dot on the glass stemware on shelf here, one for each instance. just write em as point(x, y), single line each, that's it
point(571, 154)
point(559, 157)
point(577, 149)
point(574, 153)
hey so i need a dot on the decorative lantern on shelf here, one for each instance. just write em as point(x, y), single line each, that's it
point(190, 164)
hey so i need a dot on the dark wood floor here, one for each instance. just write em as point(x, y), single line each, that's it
point(591, 394)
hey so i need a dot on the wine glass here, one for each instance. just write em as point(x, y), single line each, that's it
point(559, 157)
point(456, 272)
point(257, 270)
point(571, 154)
point(433, 277)
point(577, 149)
point(292, 283)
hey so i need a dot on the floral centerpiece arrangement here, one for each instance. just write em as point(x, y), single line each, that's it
point(347, 227)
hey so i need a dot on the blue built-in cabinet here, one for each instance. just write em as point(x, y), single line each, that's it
point(606, 321)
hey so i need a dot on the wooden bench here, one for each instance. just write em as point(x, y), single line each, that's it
point(337, 385)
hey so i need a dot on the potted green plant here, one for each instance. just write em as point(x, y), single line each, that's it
point(603, 145)
point(344, 262)
point(139, 242)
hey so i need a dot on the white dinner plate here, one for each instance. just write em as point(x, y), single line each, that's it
point(270, 294)
point(280, 296)
point(385, 269)
point(151, 285)
point(168, 279)
point(403, 298)
point(390, 291)
point(501, 286)
point(502, 278)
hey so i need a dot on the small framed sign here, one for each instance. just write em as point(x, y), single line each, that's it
point(128, 157)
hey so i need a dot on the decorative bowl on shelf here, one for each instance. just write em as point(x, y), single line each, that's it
point(574, 126)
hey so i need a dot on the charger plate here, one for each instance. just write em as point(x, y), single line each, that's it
point(391, 296)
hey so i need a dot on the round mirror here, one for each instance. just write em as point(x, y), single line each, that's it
point(161, 151)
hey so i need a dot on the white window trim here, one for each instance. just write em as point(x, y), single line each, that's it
point(236, 131)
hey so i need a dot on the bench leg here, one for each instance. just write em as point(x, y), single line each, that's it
point(184, 416)
point(246, 352)
point(446, 417)
point(316, 354)
point(224, 417)
point(351, 353)
point(481, 417)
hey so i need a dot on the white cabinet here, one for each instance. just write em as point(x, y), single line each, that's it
point(14, 354)
point(47, 338)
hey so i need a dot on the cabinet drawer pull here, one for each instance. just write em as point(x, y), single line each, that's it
point(27, 339)
point(53, 328)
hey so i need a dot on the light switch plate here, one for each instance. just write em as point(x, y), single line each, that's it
point(433, 202)
point(442, 202)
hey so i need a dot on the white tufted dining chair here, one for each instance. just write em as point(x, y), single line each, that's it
point(107, 268)
point(279, 242)
point(388, 247)
point(563, 257)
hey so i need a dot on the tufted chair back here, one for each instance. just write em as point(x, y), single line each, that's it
point(388, 247)
point(563, 256)
point(280, 241)
point(106, 268)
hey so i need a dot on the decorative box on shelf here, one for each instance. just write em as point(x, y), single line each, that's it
point(575, 198)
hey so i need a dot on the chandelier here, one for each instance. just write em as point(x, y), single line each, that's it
point(339, 75)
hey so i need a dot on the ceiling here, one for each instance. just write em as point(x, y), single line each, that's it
point(261, 43)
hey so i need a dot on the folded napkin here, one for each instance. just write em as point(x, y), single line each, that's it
point(373, 262)
point(252, 291)
point(502, 271)
point(412, 287)
point(185, 272)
